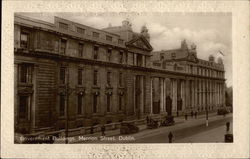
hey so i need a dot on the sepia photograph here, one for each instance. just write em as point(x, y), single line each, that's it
point(125, 78)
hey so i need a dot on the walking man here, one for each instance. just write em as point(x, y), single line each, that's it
point(170, 137)
point(186, 116)
point(103, 130)
point(228, 126)
point(195, 114)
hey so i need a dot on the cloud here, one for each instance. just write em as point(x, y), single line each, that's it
point(163, 38)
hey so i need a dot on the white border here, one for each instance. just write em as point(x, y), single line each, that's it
point(240, 36)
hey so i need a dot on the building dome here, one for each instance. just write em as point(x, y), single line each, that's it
point(219, 60)
point(211, 58)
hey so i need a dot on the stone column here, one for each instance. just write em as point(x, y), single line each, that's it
point(34, 100)
point(187, 95)
point(134, 80)
point(164, 94)
point(174, 94)
point(141, 95)
point(196, 94)
point(183, 95)
point(161, 95)
point(151, 95)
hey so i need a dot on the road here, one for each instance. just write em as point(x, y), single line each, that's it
point(192, 130)
point(200, 133)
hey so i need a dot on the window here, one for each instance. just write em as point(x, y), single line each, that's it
point(108, 103)
point(62, 105)
point(96, 49)
point(62, 75)
point(109, 78)
point(25, 73)
point(79, 103)
point(109, 52)
point(63, 46)
point(80, 49)
point(23, 106)
point(95, 103)
point(173, 55)
point(109, 38)
point(162, 57)
point(63, 25)
point(80, 72)
point(24, 40)
point(191, 69)
point(95, 78)
point(80, 30)
point(120, 102)
point(96, 35)
point(120, 79)
point(120, 41)
point(121, 57)
point(139, 60)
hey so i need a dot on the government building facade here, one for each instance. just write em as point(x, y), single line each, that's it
point(66, 72)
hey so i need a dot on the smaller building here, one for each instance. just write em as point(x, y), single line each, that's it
point(202, 89)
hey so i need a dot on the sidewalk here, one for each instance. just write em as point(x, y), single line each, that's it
point(180, 123)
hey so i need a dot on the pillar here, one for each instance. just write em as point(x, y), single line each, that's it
point(183, 95)
point(141, 95)
point(151, 95)
point(161, 95)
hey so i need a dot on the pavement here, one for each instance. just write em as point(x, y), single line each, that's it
point(150, 135)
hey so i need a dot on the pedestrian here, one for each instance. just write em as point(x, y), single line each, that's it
point(170, 137)
point(103, 130)
point(195, 114)
point(147, 119)
point(177, 113)
point(186, 116)
point(91, 130)
point(192, 114)
point(228, 126)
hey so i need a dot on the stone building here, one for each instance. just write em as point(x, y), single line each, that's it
point(66, 71)
point(203, 88)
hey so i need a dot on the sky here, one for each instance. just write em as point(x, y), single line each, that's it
point(211, 32)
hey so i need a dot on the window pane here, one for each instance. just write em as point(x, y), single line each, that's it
point(62, 105)
point(79, 76)
point(80, 50)
point(23, 106)
point(108, 38)
point(108, 103)
point(80, 104)
point(109, 78)
point(80, 30)
point(23, 73)
point(96, 35)
point(96, 49)
point(95, 78)
point(63, 25)
point(120, 79)
point(62, 75)
point(94, 103)
point(24, 40)
point(63, 46)
point(120, 102)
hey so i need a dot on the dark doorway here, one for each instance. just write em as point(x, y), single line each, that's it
point(169, 105)
point(156, 107)
point(179, 105)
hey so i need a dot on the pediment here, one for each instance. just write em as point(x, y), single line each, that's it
point(140, 42)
